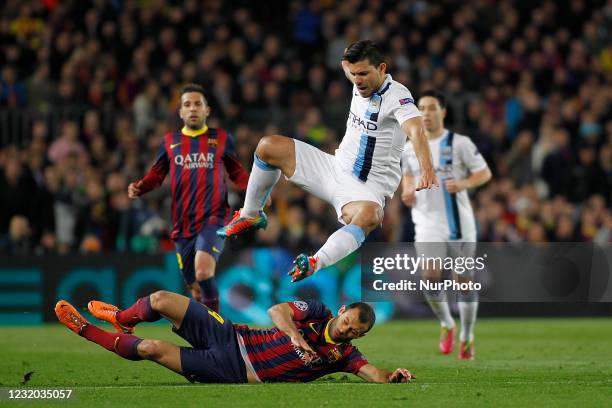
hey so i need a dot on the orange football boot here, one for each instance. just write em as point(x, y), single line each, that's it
point(69, 317)
point(108, 313)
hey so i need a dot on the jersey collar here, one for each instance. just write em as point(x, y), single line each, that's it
point(328, 338)
point(193, 133)
point(385, 85)
point(441, 137)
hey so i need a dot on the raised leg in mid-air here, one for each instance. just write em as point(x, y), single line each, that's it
point(361, 218)
point(274, 155)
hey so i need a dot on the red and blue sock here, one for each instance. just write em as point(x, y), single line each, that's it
point(141, 311)
point(124, 345)
point(210, 293)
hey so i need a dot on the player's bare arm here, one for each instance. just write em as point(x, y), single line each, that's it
point(474, 180)
point(408, 191)
point(371, 373)
point(413, 128)
point(282, 317)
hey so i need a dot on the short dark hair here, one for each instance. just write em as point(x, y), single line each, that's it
point(366, 313)
point(193, 88)
point(361, 50)
point(437, 95)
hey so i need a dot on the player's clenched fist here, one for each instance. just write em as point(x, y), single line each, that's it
point(134, 190)
point(401, 375)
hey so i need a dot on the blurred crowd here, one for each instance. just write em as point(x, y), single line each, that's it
point(94, 86)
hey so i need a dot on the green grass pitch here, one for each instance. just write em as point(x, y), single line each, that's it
point(536, 362)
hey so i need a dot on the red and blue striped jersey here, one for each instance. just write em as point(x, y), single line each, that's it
point(196, 163)
point(275, 359)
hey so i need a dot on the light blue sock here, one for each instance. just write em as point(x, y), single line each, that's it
point(261, 181)
point(339, 244)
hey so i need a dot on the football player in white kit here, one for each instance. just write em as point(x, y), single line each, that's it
point(444, 219)
point(364, 170)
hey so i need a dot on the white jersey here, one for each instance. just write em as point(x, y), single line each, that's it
point(437, 214)
point(373, 143)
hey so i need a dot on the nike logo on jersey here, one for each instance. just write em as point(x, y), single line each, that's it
point(216, 250)
point(312, 327)
point(172, 146)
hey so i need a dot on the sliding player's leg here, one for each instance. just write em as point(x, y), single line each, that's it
point(214, 364)
point(122, 344)
point(215, 356)
point(162, 352)
point(150, 308)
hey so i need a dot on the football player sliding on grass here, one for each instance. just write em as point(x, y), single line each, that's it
point(306, 342)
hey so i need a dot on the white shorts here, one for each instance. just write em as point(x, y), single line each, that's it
point(318, 173)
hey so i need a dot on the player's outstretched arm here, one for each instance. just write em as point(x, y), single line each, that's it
point(413, 128)
point(371, 373)
point(282, 317)
point(154, 177)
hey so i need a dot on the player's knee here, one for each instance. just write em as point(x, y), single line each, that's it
point(368, 219)
point(268, 148)
point(158, 299)
point(204, 273)
point(150, 349)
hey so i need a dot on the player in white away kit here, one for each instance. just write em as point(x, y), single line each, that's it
point(363, 172)
point(445, 215)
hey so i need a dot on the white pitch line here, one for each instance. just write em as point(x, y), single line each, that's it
point(414, 384)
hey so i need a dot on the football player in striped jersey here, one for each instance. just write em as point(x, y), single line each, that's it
point(196, 157)
point(306, 342)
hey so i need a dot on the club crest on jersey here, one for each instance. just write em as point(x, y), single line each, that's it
point(446, 152)
point(300, 305)
point(374, 106)
point(334, 355)
point(444, 171)
point(195, 160)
